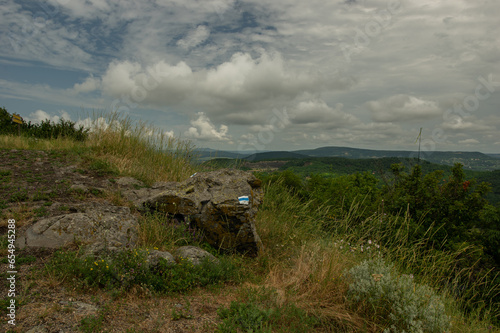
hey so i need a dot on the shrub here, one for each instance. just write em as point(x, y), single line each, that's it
point(405, 305)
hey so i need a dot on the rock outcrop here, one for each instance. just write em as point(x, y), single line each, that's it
point(221, 203)
point(100, 226)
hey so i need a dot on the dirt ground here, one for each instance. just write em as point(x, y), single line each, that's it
point(36, 185)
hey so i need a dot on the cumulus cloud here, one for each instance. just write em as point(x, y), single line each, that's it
point(39, 115)
point(240, 90)
point(468, 142)
point(90, 84)
point(195, 37)
point(403, 108)
point(203, 129)
point(317, 112)
point(457, 123)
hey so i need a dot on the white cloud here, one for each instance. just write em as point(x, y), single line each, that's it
point(403, 108)
point(317, 112)
point(241, 90)
point(203, 129)
point(195, 37)
point(90, 84)
point(39, 115)
point(468, 142)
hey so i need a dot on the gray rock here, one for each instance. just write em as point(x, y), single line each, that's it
point(80, 308)
point(101, 226)
point(194, 254)
point(79, 188)
point(155, 256)
point(129, 181)
point(210, 202)
point(37, 329)
point(138, 196)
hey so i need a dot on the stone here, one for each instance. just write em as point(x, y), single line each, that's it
point(194, 254)
point(129, 181)
point(37, 329)
point(80, 308)
point(138, 196)
point(209, 201)
point(79, 188)
point(154, 257)
point(100, 226)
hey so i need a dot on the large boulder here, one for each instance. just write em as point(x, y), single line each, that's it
point(221, 203)
point(100, 226)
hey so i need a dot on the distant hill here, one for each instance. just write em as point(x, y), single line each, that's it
point(205, 154)
point(470, 160)
point(274, 155)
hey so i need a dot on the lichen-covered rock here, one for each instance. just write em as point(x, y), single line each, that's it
point(154, 257)
point(211, 202)
point(100, 226)
point(138, 196)
point(194, 254)
point(129, 181)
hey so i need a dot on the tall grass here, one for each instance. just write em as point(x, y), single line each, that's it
point(140, 150)
point(134, 149)
point(309, 256)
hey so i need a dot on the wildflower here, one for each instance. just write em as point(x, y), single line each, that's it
point(370, 241)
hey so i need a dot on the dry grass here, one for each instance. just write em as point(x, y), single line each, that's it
point(314, 282)
point(139, 149)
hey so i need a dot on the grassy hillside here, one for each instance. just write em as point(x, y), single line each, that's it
point(317, 273)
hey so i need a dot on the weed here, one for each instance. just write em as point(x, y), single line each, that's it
point(20, 260)
point(5, 173)
point(180, 311)
point(260, 314)
point(40, 212)
point(102, 167)
point(20, 195)
point(94, 323)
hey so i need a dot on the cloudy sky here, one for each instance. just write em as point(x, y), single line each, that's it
point(263, 75)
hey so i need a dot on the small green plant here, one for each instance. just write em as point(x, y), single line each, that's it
point(5, 173)
point(40, 212)
point(181, 312)
point(245, 316)
point(397, 300)
point(39, 196)
point(93, 323)
point(20, 195)
point(102, 168)
point(21, 260)
point(260, 313)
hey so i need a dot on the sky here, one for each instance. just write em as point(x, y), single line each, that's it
point(262, 75)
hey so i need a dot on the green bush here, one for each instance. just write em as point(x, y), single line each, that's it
point(402, 304)
point(47, 129)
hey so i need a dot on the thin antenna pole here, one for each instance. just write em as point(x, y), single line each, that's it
point(419, 140)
